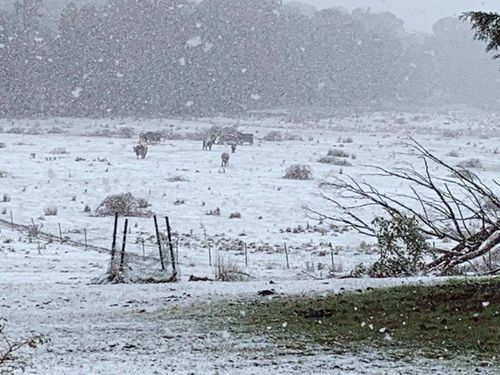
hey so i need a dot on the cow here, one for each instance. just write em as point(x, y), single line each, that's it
point(225, 159)
point(207, 145)
point(141, 150)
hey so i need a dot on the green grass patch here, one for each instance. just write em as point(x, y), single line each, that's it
point(456, 318)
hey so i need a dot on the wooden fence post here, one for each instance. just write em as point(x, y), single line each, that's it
point(286, 256)
point(113, 245)
point(331, 256)
point(124, 244)
point(60, 233)
point(246, 256)
point(209, 254)
point(159, 243)
point(171, 247)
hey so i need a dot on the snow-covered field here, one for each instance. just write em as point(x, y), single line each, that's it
point(46, 287)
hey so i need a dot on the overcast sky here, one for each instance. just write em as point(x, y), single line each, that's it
point(417, 14)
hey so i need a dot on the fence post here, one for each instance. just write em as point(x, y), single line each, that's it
point(12, 220)
point(60, 233)
point(113, 245)
point(85, 234)
point(246, 256)
point(171, 247)
point(286, 255)
point(124, 244)
point(331, 256)
point(159, 243)
point(143, 251)
point(209, 254)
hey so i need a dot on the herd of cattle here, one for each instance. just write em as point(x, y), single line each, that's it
point(228, 136)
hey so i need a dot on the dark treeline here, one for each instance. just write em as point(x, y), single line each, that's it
point(168, 57)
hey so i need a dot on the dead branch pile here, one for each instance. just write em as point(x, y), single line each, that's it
point(454, 208)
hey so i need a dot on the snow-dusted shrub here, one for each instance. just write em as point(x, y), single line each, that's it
point(338, 153)
point(177, 179)
point(126, 132)
point(453, 154)
point(227, 269)
point(470, 163)
point(235, 215)
point(87, 209)
point(2, 145)
point(334, 161)
point(214, 212)
point(3, 174)
point(298, 172)
point(15, 131)
point(347, 140)
point(6, 198)
point(402, 247)
point(58, 151)
point(50, 211)
point(124, 204)
point(55, 130)
point(277, 136)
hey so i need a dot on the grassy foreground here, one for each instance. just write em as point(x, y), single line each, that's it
point(456, 318)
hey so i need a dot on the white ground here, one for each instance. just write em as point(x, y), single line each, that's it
point(126, 328)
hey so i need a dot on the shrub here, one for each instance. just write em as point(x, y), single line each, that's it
point(453, 154)
point(235, 215)
point(58, 151)
point(298, 172)
point(214, 212)
point(335, 161)
point(471, 163)
point(402, 247)
point(124, 204)
point(6, 198)
point(50, 211)
point(87, 209)
point(55, 130)
point(2, 145)
point(227, 269)
point(338, 153)
point(277, 136)
point(347, 140)
point(177, 179)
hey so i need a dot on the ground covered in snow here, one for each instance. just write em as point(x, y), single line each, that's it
point(46, 286)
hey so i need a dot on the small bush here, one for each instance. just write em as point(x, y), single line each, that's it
point(235, 215)
point(124, 204)
point(55, 130)
point(470, 163)
point(87, 209)
point(58, 151)
point(298, 172)
point(347, 140)
point(6, 198)
point(402, 247)
point(227, 269)
point(214, 212)
point(2, 145)
point(277, 136)
point(338, 153)
point(177, 179)
point(50, 211)
point(335, 161)
point(453, 154)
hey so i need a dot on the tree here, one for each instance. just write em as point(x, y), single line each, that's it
point(458, 208)
point(486, 26)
